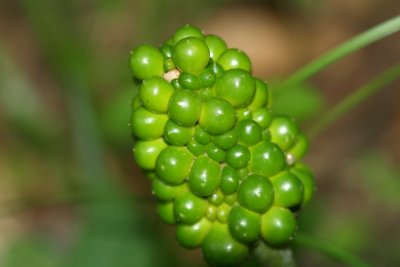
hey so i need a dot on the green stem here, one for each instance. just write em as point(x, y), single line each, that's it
point(358, 96)
point(330, 251)
point(359, 41)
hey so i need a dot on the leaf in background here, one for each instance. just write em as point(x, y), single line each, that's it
point(381, 178)
point(29, 251)
point(301, 103)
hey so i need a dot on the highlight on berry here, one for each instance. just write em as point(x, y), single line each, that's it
point(225, 170)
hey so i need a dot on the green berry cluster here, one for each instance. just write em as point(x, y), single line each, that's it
point(225, 170)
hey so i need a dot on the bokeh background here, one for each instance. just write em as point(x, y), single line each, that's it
point(70, 193)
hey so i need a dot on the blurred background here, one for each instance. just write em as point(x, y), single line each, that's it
point(70, 193)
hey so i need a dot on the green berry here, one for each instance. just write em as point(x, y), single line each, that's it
point(166, 50)
point(166, 212)
point(231, 199)
point(223, 212)
point(168, 65)
point(307, 179)
point(216, 45)
point(234, 58)
point(166, 192)
point(256, 193)
point(189, 81)
point(263, 117)
point(211, 213)
point(201, 136)
point(237, 86)
point(189, 209)
point(288, 190)
point(226, 140)
point(261, 96)
point(216, 68)
point(185, 107)
point(145, 62)
point(155, 93)
point(244, 225)
point(192, 235)
point(220, 249)
point(147, 125)
point(229, 180)
point(147, 152)
point(191, 54)
point(173, 164)
point(187, 31)
point(176, 134)
point(196, 148)
point(218, 116)
point(238, 156)
point(250, 133)
point(278, 226)
point(244, 114)
point(267, 159)
point(175, 83)
point(300, 147)
point(283, 132)
point(136, 102)
point(207, 78)
point(215, 152)
point(217, 198)
point(204, 177)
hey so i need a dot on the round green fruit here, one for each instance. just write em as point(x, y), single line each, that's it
point(233, 58)
point(216, 45)
point(218, 116)
point(145, 62)
point(176, 134)
point(173, 164)
point(256, 193)
point(192, 235)
point(220, 249)
point(155, 93)
point(267, 159)
point(283, 132)
point(237, 86)
point(185, 107)
point(147, 125)
point(191, 54)
point(204, 177)
point(278, 226)
point(289, 190)
point(147, 152)
point(189, 209)
point(244, 225)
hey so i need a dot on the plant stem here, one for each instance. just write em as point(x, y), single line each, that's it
point(355, 98)
point(330, 251)
point(359, 41)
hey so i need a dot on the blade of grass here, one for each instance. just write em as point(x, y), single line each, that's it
point(354, 99)
point(361, 40)
point(330, 250)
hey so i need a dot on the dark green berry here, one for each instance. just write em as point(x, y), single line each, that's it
point(256, 193)
point(250, 133)
point(189, 81)
point(238, 156)
point(244, 225)
point(217, 198)
point(226, 140)
point(307, 179)
point(201, 136)
point(229, 180)
point(215, 152)
point(196, 148)
point(166, 50)
point(207, 78)
point(204, 177)
point(267, 159)
point(300, 147)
